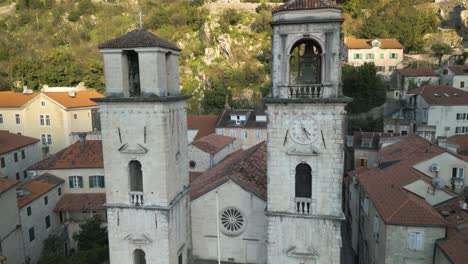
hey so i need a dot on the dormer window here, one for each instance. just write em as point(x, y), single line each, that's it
point(366, 143)
point(133, 73)
point(375, 43)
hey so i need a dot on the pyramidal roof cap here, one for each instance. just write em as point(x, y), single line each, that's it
point(138, 38)
point(292, 5)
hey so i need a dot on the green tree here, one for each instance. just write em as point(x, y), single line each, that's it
point(91, 234)
point(440, 49)
point(59, 69)
point(215, 98)
point(364, 86)
point(95, 76)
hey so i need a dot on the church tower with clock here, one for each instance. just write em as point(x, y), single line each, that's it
point(144, 138)
point(306, 130)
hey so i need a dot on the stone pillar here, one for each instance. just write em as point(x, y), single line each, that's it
point(149, 67)
point(116, 73)
point(172, 64)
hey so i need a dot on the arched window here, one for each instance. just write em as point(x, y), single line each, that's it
point(305, 63)
point(136, 176)
point(303, 181)
point(139, 256)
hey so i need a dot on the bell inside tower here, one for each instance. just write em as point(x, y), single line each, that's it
point(133, 73)
point(305, 63)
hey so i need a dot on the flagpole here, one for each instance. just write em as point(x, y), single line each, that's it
point(217, 228)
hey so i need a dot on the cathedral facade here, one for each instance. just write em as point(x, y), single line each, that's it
point(276, 202)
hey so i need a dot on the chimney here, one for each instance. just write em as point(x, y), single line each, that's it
point(72, 93)
point(26, 90)
point(82, 137)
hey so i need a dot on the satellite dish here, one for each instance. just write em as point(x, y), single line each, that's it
point(438, 183)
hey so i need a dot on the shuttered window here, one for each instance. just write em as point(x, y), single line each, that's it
point(415, 240)
point(96, 181)
point(75, 181)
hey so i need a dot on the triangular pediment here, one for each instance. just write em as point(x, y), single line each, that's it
point(308, 253)
point(302, 150)
point(138, 239)
point(133, 149)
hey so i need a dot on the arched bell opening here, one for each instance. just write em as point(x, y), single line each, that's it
point(305, 62)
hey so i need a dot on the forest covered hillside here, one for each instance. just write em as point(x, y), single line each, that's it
point(225, 46)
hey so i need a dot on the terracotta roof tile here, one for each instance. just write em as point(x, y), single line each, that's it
point(462, 142)
point(213, 143)
point(81, 99)
point(138, 38)
point(206, 124)
point(417, 72)
point(384, 185)
point(87, 154)
point(245, 167)
point(441, 95)
point(10, 141)
point(6, 184)
point(37, 187)
point(459, 69)
point(354, 43)
point(14, 99)
point(455, 246)
point(81, 201)
point(292, 5)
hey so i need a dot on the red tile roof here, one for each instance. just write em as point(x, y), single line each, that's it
point(459, 69)
point(384, 184)
point(441, 95)
point(81, 201)
point(10, 141)
point(213, 143)
point(455, 246)
point(461, 141)
point(245, 167)
point(6, 184)
point(292, 5)
point(37, 187)
point(81, 99)
point(14, 99)
point(354, 43)
point(417, 72)
point(206, 124)
point(87, 154)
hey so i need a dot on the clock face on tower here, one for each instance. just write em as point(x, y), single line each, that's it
point(304, 130)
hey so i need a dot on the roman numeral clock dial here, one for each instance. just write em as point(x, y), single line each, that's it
point(304, 130)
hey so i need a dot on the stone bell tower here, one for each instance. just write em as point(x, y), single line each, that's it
point(306, 119)
point(144, 136)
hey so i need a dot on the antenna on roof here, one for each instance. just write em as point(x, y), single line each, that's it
point(141, 20)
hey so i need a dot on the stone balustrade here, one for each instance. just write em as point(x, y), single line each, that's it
point(136, 198)
point(303, 205)
point(305, 91)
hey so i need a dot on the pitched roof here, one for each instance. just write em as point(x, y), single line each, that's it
point(455, 245)
point(417, 72)
point(81, 201)
point(213, 143)
point(14, 99)
point(206, 124)
point(81, 98)
point(37, 187)
point(10, 141)
point(441, 95)
point(137, 38)
point(292, 5)
point(87, 154)
point(6, 184)
point(384, 185)
point(245, 167)
point(354, 43)
point(459, 69)
point(224, 119)
point(461, 141)
point(373, 137)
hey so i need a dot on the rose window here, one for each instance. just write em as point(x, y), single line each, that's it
point(233, 221)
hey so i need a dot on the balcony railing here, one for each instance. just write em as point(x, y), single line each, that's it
point(303, 205)
point(303, 91)
point(136, 198)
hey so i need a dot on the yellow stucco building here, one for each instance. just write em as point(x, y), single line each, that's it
point(51, 116)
